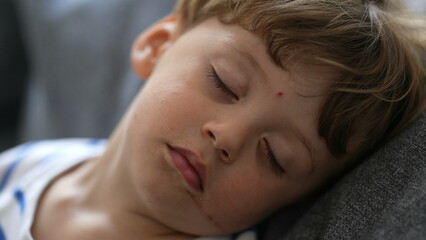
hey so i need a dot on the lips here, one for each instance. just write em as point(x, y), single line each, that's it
point(189, 166)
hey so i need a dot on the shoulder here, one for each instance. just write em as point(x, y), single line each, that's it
point(40, 149)
point(23, 158)
point(27, 169)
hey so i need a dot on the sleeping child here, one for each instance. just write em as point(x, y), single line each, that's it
point(250, 105)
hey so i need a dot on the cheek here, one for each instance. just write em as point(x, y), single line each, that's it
point(170, 203)
point(164, 113)
point(176, 102)
point(238, 202)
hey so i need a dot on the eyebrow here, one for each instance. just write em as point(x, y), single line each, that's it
point(247, 56)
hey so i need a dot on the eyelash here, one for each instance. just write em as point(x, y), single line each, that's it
point(273, 162)
point(218, 83)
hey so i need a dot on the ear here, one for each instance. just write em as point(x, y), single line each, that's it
point(151, 44)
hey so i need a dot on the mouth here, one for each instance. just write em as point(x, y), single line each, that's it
point(189, 166)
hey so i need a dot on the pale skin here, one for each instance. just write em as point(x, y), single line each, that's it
point(134, 191)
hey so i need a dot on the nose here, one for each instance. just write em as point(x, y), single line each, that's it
point(228, 139)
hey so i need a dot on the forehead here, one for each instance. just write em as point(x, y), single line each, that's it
point(234, 41)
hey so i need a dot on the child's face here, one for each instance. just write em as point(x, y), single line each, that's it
point(232, 127)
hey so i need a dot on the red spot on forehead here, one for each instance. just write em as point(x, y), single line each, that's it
point(280, 94)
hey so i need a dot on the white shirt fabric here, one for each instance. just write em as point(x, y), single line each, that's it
point(26, 170)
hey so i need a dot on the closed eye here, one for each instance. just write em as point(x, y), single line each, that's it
point(219, 84)
point(273, 162)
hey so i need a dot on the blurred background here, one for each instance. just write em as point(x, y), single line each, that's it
point(64, 65)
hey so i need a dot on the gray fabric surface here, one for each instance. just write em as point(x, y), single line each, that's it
point(383, 198)
point(81, 81)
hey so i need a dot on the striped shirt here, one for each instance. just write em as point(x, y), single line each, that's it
point(26, 170)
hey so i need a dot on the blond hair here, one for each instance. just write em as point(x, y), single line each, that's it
point(375, 46)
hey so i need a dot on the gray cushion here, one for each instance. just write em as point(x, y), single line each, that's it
point(383, 198)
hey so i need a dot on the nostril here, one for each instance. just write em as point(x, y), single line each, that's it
point(225, 155)
point(211, 135)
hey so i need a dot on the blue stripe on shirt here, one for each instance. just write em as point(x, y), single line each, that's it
point(2, 235)
point(20, 198)
point(96, 141)
point(13, 165)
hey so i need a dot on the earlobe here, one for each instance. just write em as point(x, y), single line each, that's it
point(150, 45)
